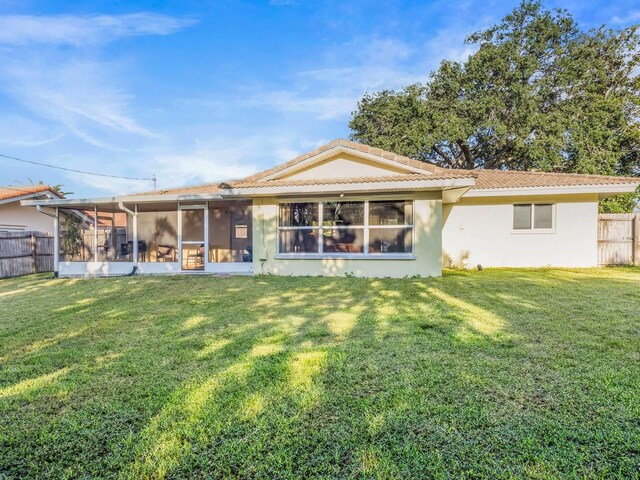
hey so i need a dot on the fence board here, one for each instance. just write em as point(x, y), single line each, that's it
point(618, 239)
point(22, 253)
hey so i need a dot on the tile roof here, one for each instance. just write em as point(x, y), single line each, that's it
point(450, 174)
point(193, 190)
point(13, 192)
point(354, 146)
point(485, 179)
point(514, 179)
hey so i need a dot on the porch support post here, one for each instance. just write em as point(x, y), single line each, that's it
point(95, 233)
point(134, 222)
point(56, 243)
point(56, 235)
point(134, 226)
point(636, 239)
point(206, 235)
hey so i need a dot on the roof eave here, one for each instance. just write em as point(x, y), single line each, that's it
point(606, 190)
point(333, 151)
point(75, 202)
point(26, 196)
point(329, 188)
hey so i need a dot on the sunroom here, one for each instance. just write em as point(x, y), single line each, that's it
point(120, 236)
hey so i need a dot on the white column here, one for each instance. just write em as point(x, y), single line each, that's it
point(206, 235)
point(95, 233)
point(56, 242)
point(134, 222)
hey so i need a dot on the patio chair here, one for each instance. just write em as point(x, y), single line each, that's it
point(126, 250)
point(166, 253)
point(197, 257)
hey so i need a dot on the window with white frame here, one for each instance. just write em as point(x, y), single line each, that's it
point(346, 227)
point(533, 216)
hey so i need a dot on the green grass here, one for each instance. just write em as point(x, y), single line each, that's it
point(501, 373)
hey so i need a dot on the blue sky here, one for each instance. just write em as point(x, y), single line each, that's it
point(197, 91)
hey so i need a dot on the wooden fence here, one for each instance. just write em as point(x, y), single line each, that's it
point(22, 253)
point(619, 239)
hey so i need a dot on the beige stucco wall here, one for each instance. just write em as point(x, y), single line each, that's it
point(427, 246)
point(480, 231)
point(348, 166)
point(12, 214)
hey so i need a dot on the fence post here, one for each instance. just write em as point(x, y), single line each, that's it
point(636, 239)
point(34, 253)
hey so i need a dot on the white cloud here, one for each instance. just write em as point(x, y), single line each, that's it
point(214, 160)
point(18, 131)
point(631, 17)
point(365, 65)
point(78, 31)
point(324, 107)
point(79, 94)
point(46, 67)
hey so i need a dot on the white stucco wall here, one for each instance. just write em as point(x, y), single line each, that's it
point(480, 231)
point(14, 215)
point(427, 246)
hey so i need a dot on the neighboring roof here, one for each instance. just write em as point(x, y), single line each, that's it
point(209, 188)
point(105, 219)
point(7, 193)
point(492, 179)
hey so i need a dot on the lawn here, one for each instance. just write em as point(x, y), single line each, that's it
point(500, 373)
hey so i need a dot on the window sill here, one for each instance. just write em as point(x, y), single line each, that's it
point(535, 231)
point(345, 256)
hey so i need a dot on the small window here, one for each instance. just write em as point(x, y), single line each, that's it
point(533, 216)
point(542, 216)
point(522, 217)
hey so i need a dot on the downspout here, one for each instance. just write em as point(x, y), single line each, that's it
point(134, 222)
point(56, 237)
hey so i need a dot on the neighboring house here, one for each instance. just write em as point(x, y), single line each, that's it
point(14, 217)
point(346, 208)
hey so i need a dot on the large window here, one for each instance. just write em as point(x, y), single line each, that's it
point(346, 227)
point(533, 216)
point(343, 227)
point(298, 228)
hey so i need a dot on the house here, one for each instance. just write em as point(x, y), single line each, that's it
point(14, 217)
point(344, 208)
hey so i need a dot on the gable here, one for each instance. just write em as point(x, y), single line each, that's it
point(343, 165)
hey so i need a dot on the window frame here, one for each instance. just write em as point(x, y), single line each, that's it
point(365, 254)
point(533, 228)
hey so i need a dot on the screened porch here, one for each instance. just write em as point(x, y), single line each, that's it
point(156, 237)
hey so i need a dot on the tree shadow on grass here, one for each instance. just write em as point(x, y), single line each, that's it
point(264, 377)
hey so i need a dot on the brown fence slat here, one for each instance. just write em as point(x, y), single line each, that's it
point(22, 253)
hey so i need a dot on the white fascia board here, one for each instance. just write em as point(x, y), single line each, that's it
point(321, 189)
point(71, 202)
point(342, 149)
point(168, 198)
point(531, 191)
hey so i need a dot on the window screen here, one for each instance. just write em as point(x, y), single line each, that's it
point(522, 217)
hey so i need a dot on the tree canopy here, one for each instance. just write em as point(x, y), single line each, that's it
point(537, 93)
